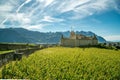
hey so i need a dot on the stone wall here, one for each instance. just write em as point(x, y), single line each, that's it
point(5, 46)
point(17, 55)
point(76, 42)
point(4, 58)
point(67, 42)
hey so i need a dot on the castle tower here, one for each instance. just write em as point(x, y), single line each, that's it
point(95, 40)
point(94, 37)
point(72, 33)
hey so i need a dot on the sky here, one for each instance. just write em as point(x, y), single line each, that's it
point(99, 16)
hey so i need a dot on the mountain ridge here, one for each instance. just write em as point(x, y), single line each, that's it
point(21, 35)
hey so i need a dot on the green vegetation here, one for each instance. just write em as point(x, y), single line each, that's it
point(15, 46)
point(66, 63)
point(4, 52)
point(30, 44)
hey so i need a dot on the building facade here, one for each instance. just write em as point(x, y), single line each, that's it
point(76, 40)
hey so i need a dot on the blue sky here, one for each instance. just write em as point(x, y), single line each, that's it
point(99, 16)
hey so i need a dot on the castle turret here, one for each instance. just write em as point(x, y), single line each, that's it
point(95, 40)
point(72, 35)
point(94, 37)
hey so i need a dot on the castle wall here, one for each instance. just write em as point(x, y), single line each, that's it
point(95, 42)
point(85, 42)
point(68, 42)
point(77, 42)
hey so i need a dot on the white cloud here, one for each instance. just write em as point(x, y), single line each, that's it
point(3, 21)
point(112, 38)
point(35, 9)
point(48, 2)
point(45, 2)
point(34, 27)
point(21, 18)
point(70, 5)
point(27, 1)
point(43, 11)
point(83, 8)
point(39, 7)
point(5, 8)
point(51, 19)
point(5, 12)
point(91, 8)
point(2, 26)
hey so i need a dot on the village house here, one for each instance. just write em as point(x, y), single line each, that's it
point(76, 40)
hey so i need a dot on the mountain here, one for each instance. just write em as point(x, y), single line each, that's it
point(21, 35)
point(9, 35)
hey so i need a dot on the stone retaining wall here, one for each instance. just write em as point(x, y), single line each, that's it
point(6, 46)
point(17, 55)
point(4, 58)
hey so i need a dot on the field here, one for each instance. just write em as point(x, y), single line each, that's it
point(60, 63)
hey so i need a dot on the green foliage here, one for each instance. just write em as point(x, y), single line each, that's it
point(66, 64)
point(107, 47)
point(14, 46)
point(4, 52)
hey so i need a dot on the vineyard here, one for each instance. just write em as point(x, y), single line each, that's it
point(66, 63)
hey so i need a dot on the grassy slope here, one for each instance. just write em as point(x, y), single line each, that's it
point(67, 63)
point(4, 52)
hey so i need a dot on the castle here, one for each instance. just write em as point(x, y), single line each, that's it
point(76, 40)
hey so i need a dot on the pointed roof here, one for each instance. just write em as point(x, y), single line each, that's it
point(94, 37)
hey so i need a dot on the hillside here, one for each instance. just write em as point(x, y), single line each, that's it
point(9, 35)
point(66, 64)
point(21, 35)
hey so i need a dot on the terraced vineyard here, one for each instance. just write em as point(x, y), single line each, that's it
point(66, 63)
